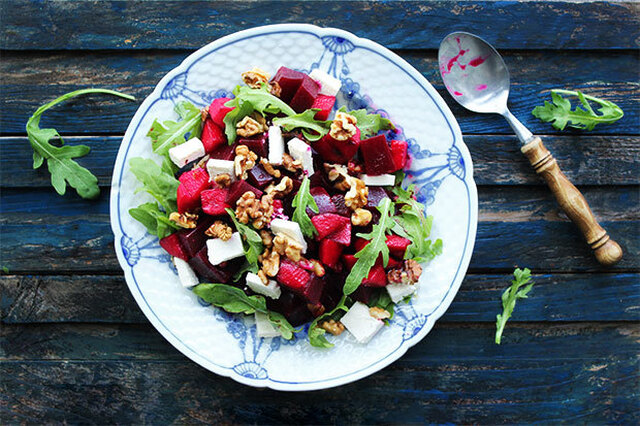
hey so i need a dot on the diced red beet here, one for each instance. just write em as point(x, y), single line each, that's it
point(212, 136)
point(377, 276)
point(323, 201)
point(224, 152)
point(256, 144)
point(305, 95)
point(377, 155)
point(174, 247)
point(360, 243)
point(259, 177)
point(325, 104)
point(349, 260)
point(376, 195)
point(399, 154)
point(206, 271)
point(301, 282)
point(239, 187)
point(213, 201)
point(293, 307)
point(192, 183)
point(330, 252)
point(217, 111)
point(289, 81)
point(335, 151)
point(193, 240)
point(328, 223)
point(393, 263)
point(397, 245)
point(343, 234)
point(364, 294)
point(341, 207)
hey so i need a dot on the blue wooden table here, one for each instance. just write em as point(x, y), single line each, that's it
point(75, 348)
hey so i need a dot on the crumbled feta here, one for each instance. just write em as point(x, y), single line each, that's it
point(186, 275)
point(264, 326)
point(329, 85)
point(379, 180)
point(276, 145)
point(399, 291)
point(290, 229)
point(300, 151)
point(360, 323)
point(217, 167)
point(272, 289)
point(219, 251)
point(183, 154)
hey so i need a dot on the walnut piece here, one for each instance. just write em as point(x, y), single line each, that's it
point(184, 220)
point(204, 113)
point(248, 208)
point(250, 125)
point(357, 195)
point(255, 77)
point(267, 238)
point(379, 313)
point(290, 164)
point(361, 217)
point(334, 327)
point(275, 89)
point(408, 273)
point(219, 229)
point(223, 180)
point(343, 126)
point(339, 175)
point(268, 167)
point(316, 310)
point(286, 246)
point(281, 189)
point(263, 277)
point(270, 262)
point(318, 269)
point(202, 163)
point(244, 160)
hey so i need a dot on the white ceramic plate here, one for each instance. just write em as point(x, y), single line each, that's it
point(372, 77)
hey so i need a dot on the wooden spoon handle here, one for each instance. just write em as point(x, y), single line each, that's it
point(571, 200)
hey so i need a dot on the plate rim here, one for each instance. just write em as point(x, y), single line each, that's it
point(468, 181)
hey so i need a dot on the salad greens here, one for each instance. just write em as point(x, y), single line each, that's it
point(369, 124)
point(509, 297)
point(62, 167)
point(252, 241)
point(168, 134)
point(560, 114)
point(234, 300)
point(301, 201)
point(155, 220)
point(311, 128)
point(316, 333)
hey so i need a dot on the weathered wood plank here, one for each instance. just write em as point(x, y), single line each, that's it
point(146, 24)
point(29, 79)
point(557, 297)
point(540, 373)
point(586, 160)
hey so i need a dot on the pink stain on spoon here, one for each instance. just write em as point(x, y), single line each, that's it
point(457, 93)
point(480, 87)
point(476, 61)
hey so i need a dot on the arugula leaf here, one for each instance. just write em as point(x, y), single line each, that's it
point(168, 134)
point(252, 241)
point(246, 267)
point(369, 254)
point(62, 167)
point(248, 100)
point(559, 113)
point(382, 300)
point(369, 124)
point(161, 185)
point(509, 297)
point(316, 334)
point(301, 201)
point(312, 129)
point(234, 300)
point(156, 221)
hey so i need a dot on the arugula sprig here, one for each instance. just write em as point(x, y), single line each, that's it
point(311, 128)
point(368, 123)
point(301, 201)
point(316, 333)
point(377, 246)
point(510, 296)
point(252, 241)
point(62, 167)
point(234, 300)
point(169, 133)
point(560, 114)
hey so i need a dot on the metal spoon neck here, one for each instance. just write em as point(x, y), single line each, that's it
point(523, 134)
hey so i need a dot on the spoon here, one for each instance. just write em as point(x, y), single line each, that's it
point(478, 79)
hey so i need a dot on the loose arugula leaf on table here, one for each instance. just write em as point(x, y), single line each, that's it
point(369, 124)
point(62, 167)
point(560, 114)
point(312, 129)
point(169, 133)
point(510, 296)
point(155, 220)
point(234, 300)
point(316, 333)
point(301, 201)
point(369, 254)
point(248, 100)
point(252, 241)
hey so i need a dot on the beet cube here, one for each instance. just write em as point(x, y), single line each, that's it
point(325, 104)
point(217, 111)
point(206, 271)
point(364, 294)
point(328, 223)
point(377, 155)
point(194, 239)
point(256, 144)
point(397, 245)
point(330, 252)
point(343, 234)
point(323, 201)
point(301, 282)
point(305, 95)
point(212, 136)
point(174, 247)
point(293, 307)
point(192, 183)
point(239, 187)
point(289, 81)
point(377, 276)
point(399, 154)
point(349, 260)
point(335, 151)
point(259, 177)
point(213, 201)
point(376, 195)
point(224, 152)
point(338, 201)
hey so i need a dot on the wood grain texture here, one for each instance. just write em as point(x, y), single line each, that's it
point(106, 298)
point(29, 79)
point(541, 372)
point(184, 25)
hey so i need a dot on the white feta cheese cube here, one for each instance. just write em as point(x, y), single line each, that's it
point(379, 180)
point(329, 85)
point(219, 251)
point(264, 326)
point(300, 151)
point(185, 153)
point(276, 145)
point(217, 167)
point(360, 323)
point(399, 291)
point(272, 289)
point(186, 275)
point(290, 229)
